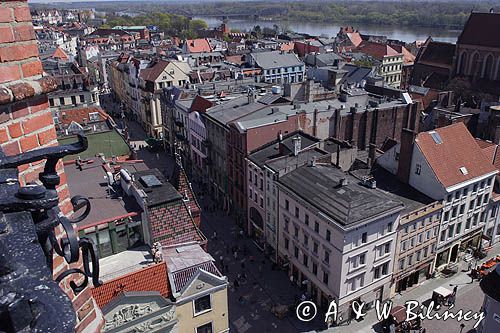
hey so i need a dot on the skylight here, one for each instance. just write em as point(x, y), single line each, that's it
point(436, 137)
point(463, 170)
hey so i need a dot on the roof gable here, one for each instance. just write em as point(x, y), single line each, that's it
point(481, 29)
point(453, 154)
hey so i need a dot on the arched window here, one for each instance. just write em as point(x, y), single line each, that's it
point(473, 66)
point(488, 67)
point(462, 64)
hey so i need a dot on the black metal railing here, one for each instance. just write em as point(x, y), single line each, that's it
point(29, 296)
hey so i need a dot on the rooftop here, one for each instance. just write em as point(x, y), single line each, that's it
point(151, 278)
point(481, 29)
point(271, 150)
point(184, 262)
point(124, 262)
point(159, 191)
point(453, 154)
point(275, 59)
point(347, 205)
point(106, 204)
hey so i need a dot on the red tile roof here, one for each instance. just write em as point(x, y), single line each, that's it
point(183, 186)
point(60, 54)
point(488, 148)
point(153, 72)
point(201, 104)
point(81, 115)
point(151, 278)
point(355, 38)
point(198, 45)
point(458, 149)
point(377, 50)
point(171, 224)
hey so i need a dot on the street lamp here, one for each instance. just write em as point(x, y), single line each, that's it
point(462, 325)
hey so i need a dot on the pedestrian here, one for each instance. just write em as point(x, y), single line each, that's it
point(235, 254)
point(469, 266)
point(291, 279)
point(221, 258)
point(455, 290)
point(472, 275)
point(241, 233)
point(214, 235)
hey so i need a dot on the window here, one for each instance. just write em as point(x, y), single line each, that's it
point(450, 231)
point(376, 273)
point(419, 253)
point(206, 328)
point(418, 169)
point(389, 227)
point(328, 235)
point(315, 247)
point(202, 304)
point(387, 248)
point(457, 194)
point(410, 259)
point(315, 269)
point(465, 191)
point(82, 99)
point(401, 264)
point(443, 236)
point(327, 257)
point(306, 219)
point(459, 228)
point(425, 251)
point(362, 258)
point(364, 237)
point(296, 211)
point(296, 252)
point(462, 209)
point(61, 101)
point(287, 242)
point(296, 231)
point(325, 278)
point(403, 246)
point(474, 189)
point(316, 226)
point(454, 212)
point(446, 216)
point(287, 205)
point(305, 260)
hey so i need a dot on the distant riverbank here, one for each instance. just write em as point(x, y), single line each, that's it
point(403, 33)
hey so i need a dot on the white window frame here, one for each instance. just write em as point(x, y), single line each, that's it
point(195, 314)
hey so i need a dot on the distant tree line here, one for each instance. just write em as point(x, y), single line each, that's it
point(408, 13)
point(171, 24)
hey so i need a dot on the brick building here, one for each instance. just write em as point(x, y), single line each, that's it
point(26, 124)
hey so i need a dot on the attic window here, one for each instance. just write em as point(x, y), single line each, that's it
point(436, 137)
point(463, 170)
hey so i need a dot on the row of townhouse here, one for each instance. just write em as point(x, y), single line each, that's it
point(367, 234)
point(139, 84)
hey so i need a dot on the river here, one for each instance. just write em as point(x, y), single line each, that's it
point(406, 34)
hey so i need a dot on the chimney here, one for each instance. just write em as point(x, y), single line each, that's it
point(405, 154)
point(296, 145)
point(312, 161)
point(23, 100)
